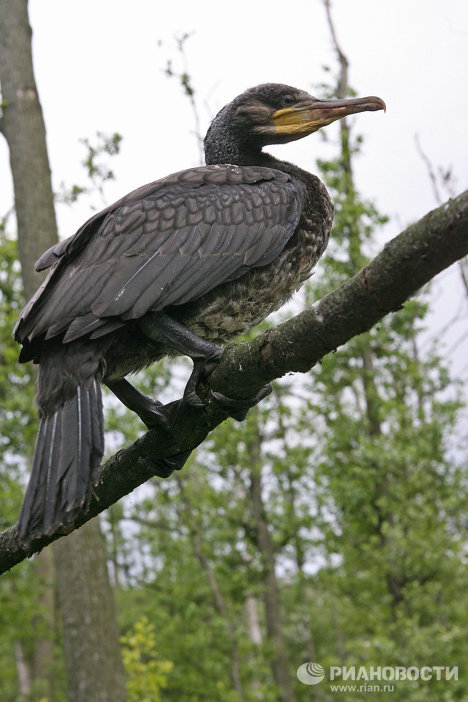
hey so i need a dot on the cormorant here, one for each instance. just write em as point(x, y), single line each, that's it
point(180, 265)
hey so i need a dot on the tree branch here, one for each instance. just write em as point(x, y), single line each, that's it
point(406, 263)
point(342, 87)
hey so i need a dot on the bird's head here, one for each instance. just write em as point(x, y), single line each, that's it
point(273, 113)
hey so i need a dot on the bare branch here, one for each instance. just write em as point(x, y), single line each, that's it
point(405, 264)
point(446, 178)
point(430, 170)
point(342, 88)
point(463, 265)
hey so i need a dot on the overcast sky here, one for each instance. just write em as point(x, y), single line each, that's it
point(99, 66)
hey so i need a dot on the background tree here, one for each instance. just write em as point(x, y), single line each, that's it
point(94, 668)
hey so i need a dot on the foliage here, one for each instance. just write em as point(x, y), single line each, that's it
point(96, 167)
point(17, 416)
point(146, 673)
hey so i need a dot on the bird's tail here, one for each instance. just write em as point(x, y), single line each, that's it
point(69, 448)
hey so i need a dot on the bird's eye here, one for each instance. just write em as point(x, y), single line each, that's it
point(288, 100)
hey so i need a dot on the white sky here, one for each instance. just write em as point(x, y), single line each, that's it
point(99, 66)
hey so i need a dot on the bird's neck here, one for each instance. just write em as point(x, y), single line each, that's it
point(228, 149)
point(226, 142)
point(223, 144)
point(237, 154)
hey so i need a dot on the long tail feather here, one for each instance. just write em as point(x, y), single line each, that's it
point(69, 449)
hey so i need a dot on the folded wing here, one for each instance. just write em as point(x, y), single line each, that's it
point(167, 243)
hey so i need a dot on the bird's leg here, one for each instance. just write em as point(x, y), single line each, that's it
point(160, 327)
point(152, 413)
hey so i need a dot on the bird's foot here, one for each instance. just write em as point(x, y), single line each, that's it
point(202, 368)
point(165, 416)
point(238, 408)
point(153, 414)
point(233, 407)
point(166, 466)
point(162, 328)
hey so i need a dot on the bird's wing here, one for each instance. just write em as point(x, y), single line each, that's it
point(165, 244)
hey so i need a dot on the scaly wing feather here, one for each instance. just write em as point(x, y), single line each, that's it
point(167, 243)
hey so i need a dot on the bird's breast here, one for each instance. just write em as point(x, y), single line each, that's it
point(235, 307)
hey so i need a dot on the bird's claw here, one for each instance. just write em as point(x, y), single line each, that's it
point(166, 466)
point(238, 408)
point(202, 368)
point(154, 415)
point(233, 407)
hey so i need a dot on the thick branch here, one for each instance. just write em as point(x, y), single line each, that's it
point(406, 263)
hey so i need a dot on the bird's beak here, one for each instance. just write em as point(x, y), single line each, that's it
point(307, 116)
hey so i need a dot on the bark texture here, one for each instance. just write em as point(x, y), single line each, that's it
point(43, 655)
point(24, 129)
point(92, 653)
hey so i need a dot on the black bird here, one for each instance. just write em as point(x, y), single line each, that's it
point(180, 265)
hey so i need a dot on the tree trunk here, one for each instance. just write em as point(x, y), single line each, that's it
point(354, 252)
point(43, 654)
point(23, 126)
point(92, 653)
point(297, 542)
point(218, 597)
point(24, 673)
point(274, 626)
point(371, 393)
point(253, 623)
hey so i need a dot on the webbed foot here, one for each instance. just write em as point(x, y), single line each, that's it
point(166, 466)
point(233, 407)
point(238, 408)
